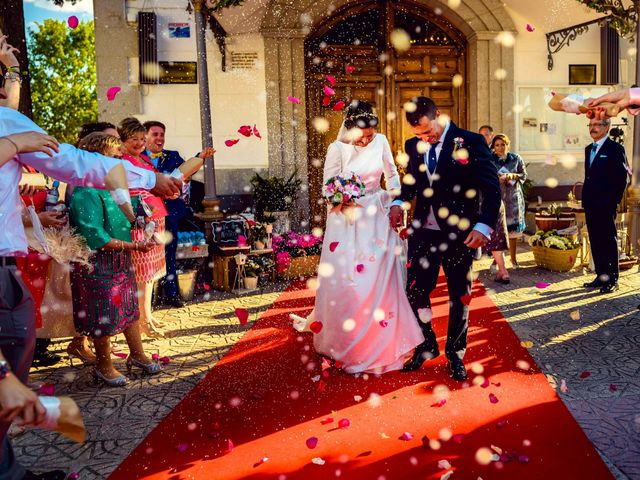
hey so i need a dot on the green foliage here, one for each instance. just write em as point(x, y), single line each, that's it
point(62, 65)
point(217, 5)
point(274, 194)
point(623, 19)
point(257, 266)
point(551, 239)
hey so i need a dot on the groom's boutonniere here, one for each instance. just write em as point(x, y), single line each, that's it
point(460, 154)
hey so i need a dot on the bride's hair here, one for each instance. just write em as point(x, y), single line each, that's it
point(360, 114)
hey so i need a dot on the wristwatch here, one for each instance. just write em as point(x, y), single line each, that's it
point(5, 369)
point(13, 76)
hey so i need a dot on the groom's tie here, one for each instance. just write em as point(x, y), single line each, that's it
point(433, 161)
point(594, 149)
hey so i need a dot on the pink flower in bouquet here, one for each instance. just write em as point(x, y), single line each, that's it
point(283, 260)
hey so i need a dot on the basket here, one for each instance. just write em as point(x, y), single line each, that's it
point(554, 259)
point(546, 223)
point(305, 266)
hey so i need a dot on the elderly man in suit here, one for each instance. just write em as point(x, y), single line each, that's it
point(605, 179)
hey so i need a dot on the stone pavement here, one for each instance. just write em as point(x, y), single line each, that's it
point(573, 334)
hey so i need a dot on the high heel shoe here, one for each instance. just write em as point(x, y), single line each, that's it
point(148, 368)
point(502, 280)
point(85, 359)
point(119, 381)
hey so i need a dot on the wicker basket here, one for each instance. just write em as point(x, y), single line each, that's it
point(546, 223)
point(554, 259)
point(306, 266)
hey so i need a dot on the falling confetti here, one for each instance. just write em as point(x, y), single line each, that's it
point(493, 398)
point(360, 268)
point(312, 442)
point(344, 423)
point(229, 446)
point(326, 421)
point(613, 388)
point(243, 315)
point(530, 28)
point(444, 464)
point(122, 354)
point(457, 80)
point(73, 22)
point(256, 132)
point(47, 389)
point(231, 143)
point(575, 315)
point(400, 40)
point(585, 374)
point(526, 343)
point(563, 386)
point(384, 323)
point(317, 461)
point(439, 403)
point(295, 100)
point(112, 92)
point(466, 299)
point(333, 246)
point(316, 327)
point(542, 285)
point(245, 130)
point(406, 436)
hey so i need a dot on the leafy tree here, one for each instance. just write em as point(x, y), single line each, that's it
point(623, 18)
point(62, 63)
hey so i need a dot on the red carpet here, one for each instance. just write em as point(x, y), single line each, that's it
point(261, 396)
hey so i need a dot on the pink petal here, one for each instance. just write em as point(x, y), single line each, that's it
point(339, 106)
point(458, 437)
point(47, 389)
point(73, 476)
point(121, 354)
point(542, 285)
point(493, 398)
point(231, 143)
point(359, 268)
point(245, 130)
point(229, 446)
point(326, 421)
point(165, 360)
point(486, 383)
point(295, 100)
point(243, 315)
point(530, 28)
point(155, 357)
point(261, 461)
point(613, 388)
point(256, 132)
point(328, 91)
point(349, 69)
point(112, 92)
point(73, 21)
point(585, 374)
point(344, 423)
point(333, 246)
point(406, 436)
point(315, 327)
point(331, 79)
point(242, 241)
point(412, 284)
point(312, 442)
point(462, 161)
point(182, 447)
point(439, 403)
point(384, 323)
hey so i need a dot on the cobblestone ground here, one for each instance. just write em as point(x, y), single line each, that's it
point(574, 333)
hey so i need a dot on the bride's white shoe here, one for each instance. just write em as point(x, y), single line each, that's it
point(300, 324)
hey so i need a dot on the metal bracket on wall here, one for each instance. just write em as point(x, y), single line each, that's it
point(220, 34)
point(561, 38)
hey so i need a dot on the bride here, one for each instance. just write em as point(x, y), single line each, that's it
point(362, 316)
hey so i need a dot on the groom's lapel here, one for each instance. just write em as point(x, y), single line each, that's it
point(445, 158)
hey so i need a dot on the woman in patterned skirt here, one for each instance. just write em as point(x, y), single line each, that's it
point(105, 298)
point(149, 266)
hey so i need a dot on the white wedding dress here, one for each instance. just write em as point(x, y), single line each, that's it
point(367, 322)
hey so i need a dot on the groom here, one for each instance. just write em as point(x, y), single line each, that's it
point(449, 170)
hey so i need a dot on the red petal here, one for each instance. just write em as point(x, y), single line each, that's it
point(333, 246)
point(331, 79)
point(73, 21)
point(112, 92)
point(117, 299)
point(344, 423)
point(458, 437)
point(585, 374)
point(530, 28)
point(322, 385)
point(165, 360)
point(406, 436)
point(328, 91)
point(47, 389)
point(486, 383)
point(339, 106)
point(337, 364)
point(384, 323)
point(350, 68)
point(493, 398)
point(326, 101)
point(124, 355)
point(359, 268)
point(439, 403)
point(243, 315)
point(229, 446)
point(412, 284)
point(462, 161)
point(315, 327)
point(326, 421)
point(325, 364)
point(231, 143)
point(404, 234)
point(245, 130)
point(466, 299)
point(613, 388)
point(542, 285)
point(312, 442)
point(242, 241)
point(295, 100)
point(256, 132)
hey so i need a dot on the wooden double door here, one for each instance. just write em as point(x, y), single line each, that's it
point(355, 47)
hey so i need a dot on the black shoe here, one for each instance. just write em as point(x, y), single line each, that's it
point(52, 475)
point(594, 284)
point(45, 359)
point(609, 287)
point(420, 356)
point(457, 369)
point(174, 302)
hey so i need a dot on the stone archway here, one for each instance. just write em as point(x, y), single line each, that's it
point(285, 26)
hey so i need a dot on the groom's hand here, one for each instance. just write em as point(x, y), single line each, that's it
point(396, 216)
point(475, 240)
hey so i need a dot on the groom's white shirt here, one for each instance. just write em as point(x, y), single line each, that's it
point(432, 223)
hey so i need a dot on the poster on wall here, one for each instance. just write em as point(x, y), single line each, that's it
point(179, 30)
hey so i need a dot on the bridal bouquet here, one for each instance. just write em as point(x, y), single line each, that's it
point(343, 189)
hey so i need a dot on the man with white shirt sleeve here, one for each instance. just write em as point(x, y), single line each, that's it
point(449, 169)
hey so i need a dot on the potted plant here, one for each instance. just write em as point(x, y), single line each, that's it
point(552, 251)
point(554, 218)
point(258, 232)
point(274, 197)
point(297, 254)
point(251, 272)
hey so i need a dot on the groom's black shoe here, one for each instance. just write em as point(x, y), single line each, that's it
point(609, 287)
point(420, 356)
point(593, 284)
point(457, 369)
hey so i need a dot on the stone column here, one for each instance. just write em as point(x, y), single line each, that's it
point(284, 58)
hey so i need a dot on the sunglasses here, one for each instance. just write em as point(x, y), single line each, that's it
point(2, 80)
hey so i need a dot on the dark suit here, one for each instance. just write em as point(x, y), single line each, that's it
point(604, 183)
point(177, 209)
point(456, 187)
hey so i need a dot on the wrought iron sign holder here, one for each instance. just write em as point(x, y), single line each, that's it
point(561, 38)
